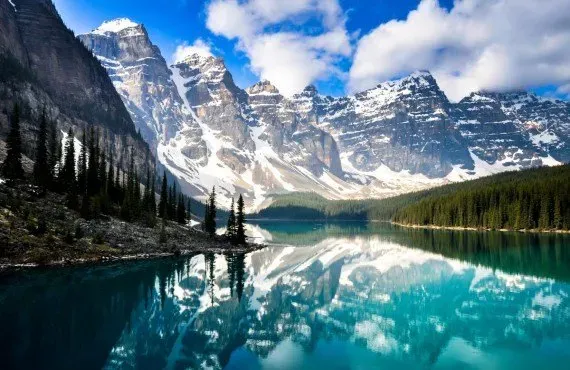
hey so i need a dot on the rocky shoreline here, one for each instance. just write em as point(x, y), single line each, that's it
point(38, 230)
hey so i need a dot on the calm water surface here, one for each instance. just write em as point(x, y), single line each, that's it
point(344, 296)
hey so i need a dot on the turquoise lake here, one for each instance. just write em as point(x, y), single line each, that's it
point(330, 296)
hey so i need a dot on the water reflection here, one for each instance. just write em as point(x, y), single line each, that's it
point(363, 298)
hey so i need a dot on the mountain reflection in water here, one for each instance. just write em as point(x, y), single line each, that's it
point(338, 297)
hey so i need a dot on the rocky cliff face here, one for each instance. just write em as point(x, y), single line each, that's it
point(257, 141)
point(51, 69)
point(143, 79)
point(400, 136)
point(403, 125)
point(207, 131)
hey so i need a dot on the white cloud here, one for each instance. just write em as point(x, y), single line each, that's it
point(478, 44)
point(198, 47)
point(269, 32)
point(564, 90)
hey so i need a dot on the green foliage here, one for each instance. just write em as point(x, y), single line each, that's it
point(532, 199)
point(311, 206)
point(54, 148)
point(210, 214)
point(41, 172)
point(240, 237)
point(231, 229)
point(181, 210)
point(163, 203)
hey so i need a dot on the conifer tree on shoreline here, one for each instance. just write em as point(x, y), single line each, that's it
point(240, 222)
point(67, 174)
point(211, 213)
point(41, 171)
point(163, 203)
point(231, 228)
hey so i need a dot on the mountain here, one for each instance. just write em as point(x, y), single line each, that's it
point(207, 131)
point(402, 125)
point(397, 137)
point(44, 66)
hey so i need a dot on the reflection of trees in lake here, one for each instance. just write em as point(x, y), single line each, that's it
point(164, 313)
point(540, 255)
point(236, 273)
point(210, 268)
point(70, 318)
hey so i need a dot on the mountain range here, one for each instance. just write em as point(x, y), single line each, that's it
point(400, 136)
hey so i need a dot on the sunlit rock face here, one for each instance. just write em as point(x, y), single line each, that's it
point(400, 136)
point(142, 78)
point(404, 125)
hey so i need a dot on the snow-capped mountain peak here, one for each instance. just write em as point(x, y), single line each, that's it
point(115, 26)
point(400, 136)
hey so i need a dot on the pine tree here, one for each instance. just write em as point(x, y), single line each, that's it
point(153, 195)
point(54, 153)
point(137, 196)
point(111, 179)
point(557, 217)
point(163, 202)
point(103, 173)
point(41, 172)
point(93, 165)
point(211, 215)
point(240, 222)
point(12, 165)
point(172, 203)
point(145, 204)
point(544, 219)
point(67, 173)
point(189, 210)
point(206, 223)
point(181, 210)
point(82, 166)
point(231, 228)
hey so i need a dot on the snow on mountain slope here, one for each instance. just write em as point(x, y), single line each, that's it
point(400, 136)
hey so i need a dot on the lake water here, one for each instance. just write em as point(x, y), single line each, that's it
point(341, 296)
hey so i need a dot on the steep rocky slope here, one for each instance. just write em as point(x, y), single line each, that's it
point(400, 136)
point(46, 67)
point(207, 131)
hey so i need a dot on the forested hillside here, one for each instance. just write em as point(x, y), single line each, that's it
point(311, 206)
point(531, 199)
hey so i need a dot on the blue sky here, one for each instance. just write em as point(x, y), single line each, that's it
point(344, 46)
